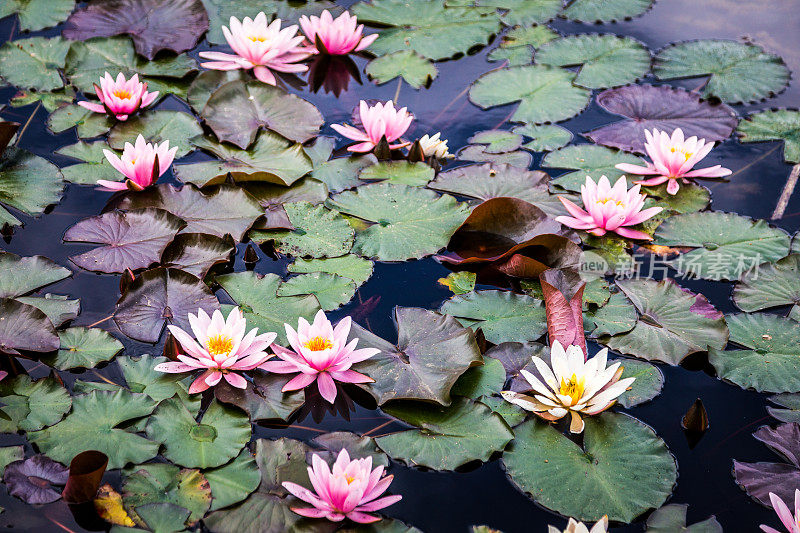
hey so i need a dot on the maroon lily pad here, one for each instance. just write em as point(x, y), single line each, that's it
point(197, 253)
point(31, 479)
point(7, 132)
point(159, 297)
point(665, 108)
point(132, 240)
point(25, 327)
point(85, 473)
point(759, 479)
point(154, 25)
point(516, 356)
point(563, 301)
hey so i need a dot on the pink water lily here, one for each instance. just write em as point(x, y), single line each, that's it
point(789, 521)
point(673, 159)
point(338, 36)
point(379, 120)
point(221, 349)
point(142, 164)
point(609, 209)
point(120, 97)
point(260, 46)
point(322, 354)
point(348, 491)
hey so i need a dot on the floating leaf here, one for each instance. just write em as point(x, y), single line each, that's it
point(40, 403)
point(672, 517)
point(647, 107)
point(93, 425)
point(23, 275)
point(59, 309)
point(163, 517)
point(35, 15)
point(484, 380)
point(475, 152)
point(772, 361)
point(234, 481)
point(606, 11)
point(596, 480)
point(93, 164)
point(84, 348)
point(89, 124)
point(349, 266)
point(34, 63)
point(85, 474)
point(546, 94)
point(158, 297)
point(588, 160)
point(546, 138)
point(774, 125)
point(674, 322)
point(108, 504)
point(407, 222)
point(257, 297)
point(759, 479)
point(262, 399)
point(497, 141)
point(518, 44)
point(25, 327)
point(176, 25)
point(432, 351)
point(165, 483)
point(459, 282)
point(332, 290)
point(524, 12)
point(501, 315)
point(357, 447)
point(140, 378)
point(156, 127)
point(648, 384)
point(131, 240)
point(9, 454)
point(401, 172)
point(31, 479)
point(412, 67)
point(790, 401)
point(196, 253)
point(318, 232)
point(28, 183)
point(448, 437)
point(770, 285)
point(724, 245)
point(740, 72)
point(615, 316)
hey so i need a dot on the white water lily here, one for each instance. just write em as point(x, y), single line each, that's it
point(573, 385)
point(433, 146)
point(579, 527)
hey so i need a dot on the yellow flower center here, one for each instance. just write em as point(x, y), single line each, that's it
point(573, 388)
point(686, 154)
point(219, 344)
point(317, 344)
point(604, 201)
point(125, 95)
point(349, 479)
point(257, 38)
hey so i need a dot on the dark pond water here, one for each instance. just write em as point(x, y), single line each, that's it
point(452, 502)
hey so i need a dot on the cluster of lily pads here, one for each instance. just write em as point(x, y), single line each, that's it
point(462, 377)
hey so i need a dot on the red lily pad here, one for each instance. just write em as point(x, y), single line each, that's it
point(24, 327)
point(85, 473)
point(759, 479)
point(31, 479)
point(665, 108)
point(154, 25)
point(159, 297)
point(563, 300)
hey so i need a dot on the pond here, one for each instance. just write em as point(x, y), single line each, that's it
point(292, 188)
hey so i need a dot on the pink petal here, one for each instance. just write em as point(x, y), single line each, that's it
point(301, 381)
point(632, 234)
point(362, 518)
point(379, 503)
point(351, 376)
point(96, 108)
point(236, 380)
point(327, 387)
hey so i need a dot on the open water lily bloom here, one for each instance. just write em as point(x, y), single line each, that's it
point(607, 208)
point(322, 354)
point(120, 97)
point(378, 121)
point(349, 490)
point(573, 526)
point(789, 521)
point(433, 146)
point(572, 386)
point(141, 163)
point(673, 159)
point(220, 348)
point(260, 46)
point(339, 36)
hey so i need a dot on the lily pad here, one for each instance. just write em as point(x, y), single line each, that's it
point(196, 253)
point(400, 172)
point(165, 483)
point(39, 403)
point(233, 482)
point(460, 282)
point(596, 480)
point(318, 232)
point(30, 479)
point(89, 124)
point(9, 454)
point(158, 297)
point(588, 160)
point(791, 403)
point(672, 517)
point(262, 399)
point(407, 222)
point(131, 240)
point(357, 447)
point(647, 107)
point(771, 285)
point(524, 12)
point(447, 437)
point(140, 378)
point(28, 183)
point(479, 153)
point(774, 125)
point(93, 425)
point(484, 380)
point(34, 63)
point(93, 164)
point(546, 94)
point(616, 316)
point(156, 127)
point(25, 327)
point(739, 72)
point(518, 44)
point(23, 275)
point(606, 11)
point(673, 323)
point(84, 348)
point(724, 245)
point(412, 67)
point(759, 479)
point(648, 384)
point(332, 290)
point(432, 351)
point(35, 15)
point(502, 316)
point(545, 138)
point(349, 266)
point(497, 141)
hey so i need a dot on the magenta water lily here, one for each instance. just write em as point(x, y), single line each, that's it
point(349, 490)
point(120, 97)
point(339, 36)
point(141, 163)
point(790, 522)
point(380, 120)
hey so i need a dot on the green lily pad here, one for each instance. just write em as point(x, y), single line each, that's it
point(545, 138)
point(515, 56)
point(59, 309)
point(690, 198)
point(332, 290)
point(140, 378)
point(606, 11)
point(234, 481)
point(50, 100)
point(92, 425)
point(158, 518)
point(460, 282)
point(349, 266)
point(740, 72)
point(33, 404)
point(546, 94)
point(28, 183)
point(588, 160)
point(479, 153)
point(674, 322)
point(672, 518)
point(213, 441)
point(84, 348)
point(616, 316)
point(340, 173)
point(196, 253)
point(25, 327)
point(257, 298)
point(772, 361)
point(35, 15)
point(774, 125)
point(503, 316)
point(497, 141)
point(407, 222)
point(165, 483)
point(512, 414)
point(447, 437)
point(771, 285)
point(318, 232)
point(596, 480)
point(34, 63)
point(93, 164)
point(412, 67)
point(9, 454)
point(484, 380)
point(432, 351)
point(791, 403)
point(176, 127)
point(648, 384)
point(89, 124)
point(524, 12)
point(400, 172)
point(272, 196)
point(23, 275)
point(262, 399)
point(519, 43)
point(606, 60)
point(725, 245)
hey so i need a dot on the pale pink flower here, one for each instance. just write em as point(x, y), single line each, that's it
point(121, 97)
point(673, 159)
point(338, 36)
point(573, 526)
point(609, 209)
point(378, 121)
point(222, 349)
point(261, 47)
point(791, 523)
point(322, 354)
point(349, 491)
point(142, 163)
